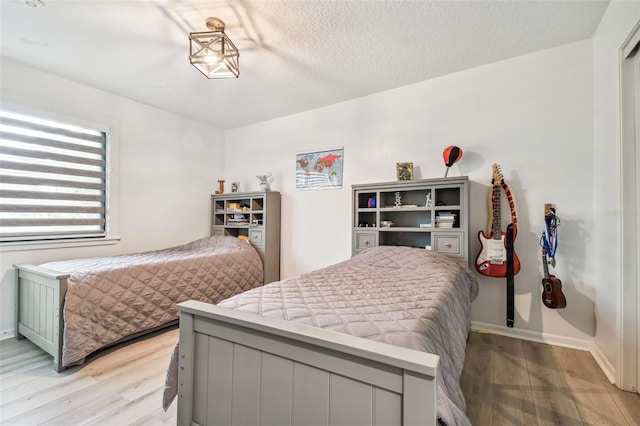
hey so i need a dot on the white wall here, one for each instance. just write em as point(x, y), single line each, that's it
point(617, 23)
point(167, 168)
point(533, 115)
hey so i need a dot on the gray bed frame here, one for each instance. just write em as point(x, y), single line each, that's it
point(239, 368)
point(40, 296)
point(39, 304)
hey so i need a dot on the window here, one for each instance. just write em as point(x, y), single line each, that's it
point(53, 179)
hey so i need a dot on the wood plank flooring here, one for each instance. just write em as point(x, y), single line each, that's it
point(121, 386)
point(509, 381)
point(505, 382)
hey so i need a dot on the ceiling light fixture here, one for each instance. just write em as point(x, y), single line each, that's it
point(34, 3)
point(213, 53)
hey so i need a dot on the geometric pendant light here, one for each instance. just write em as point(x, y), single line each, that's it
point(213, 53)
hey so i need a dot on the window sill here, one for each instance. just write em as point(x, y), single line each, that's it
point(57, 244)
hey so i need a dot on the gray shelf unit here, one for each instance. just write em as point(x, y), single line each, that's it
point(255, 215)
point(415, 223)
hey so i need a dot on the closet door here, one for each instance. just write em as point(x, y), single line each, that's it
point(629, 368)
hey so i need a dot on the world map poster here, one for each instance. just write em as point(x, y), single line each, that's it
point(319, 169)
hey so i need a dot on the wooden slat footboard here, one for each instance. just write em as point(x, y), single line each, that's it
point(238, 368)
point(39, 302)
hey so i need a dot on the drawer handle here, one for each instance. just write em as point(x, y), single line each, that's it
point(366, 242)
point(447, 245)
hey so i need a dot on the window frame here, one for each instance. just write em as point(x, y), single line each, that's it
point(77, 118)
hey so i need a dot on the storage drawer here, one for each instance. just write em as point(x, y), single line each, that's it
point(256, 236)
point(447, 243)
point(364, 240)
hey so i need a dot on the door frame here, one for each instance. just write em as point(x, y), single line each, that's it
point(628, 370)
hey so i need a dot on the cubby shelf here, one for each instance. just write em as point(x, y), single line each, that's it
point(256, 216)
point(429, 213)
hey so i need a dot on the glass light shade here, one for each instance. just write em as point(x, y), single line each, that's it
point(214, 54)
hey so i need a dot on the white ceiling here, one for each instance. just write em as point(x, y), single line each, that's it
point(294, 55)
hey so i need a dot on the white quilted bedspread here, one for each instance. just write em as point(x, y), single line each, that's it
point(398, 295)
point(109, 298)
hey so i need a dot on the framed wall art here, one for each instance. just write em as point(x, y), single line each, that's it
point(319, 169)
point(404, 171)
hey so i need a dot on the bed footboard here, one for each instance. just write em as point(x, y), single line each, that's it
point(39, 302)
point(238, 368)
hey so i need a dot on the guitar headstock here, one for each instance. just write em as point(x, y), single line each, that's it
point(497, 178)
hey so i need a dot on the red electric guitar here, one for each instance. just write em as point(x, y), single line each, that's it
point(492, 259)
point(552, 295)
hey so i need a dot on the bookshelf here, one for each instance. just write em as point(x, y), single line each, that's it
point(254, 216)
point(429, 213)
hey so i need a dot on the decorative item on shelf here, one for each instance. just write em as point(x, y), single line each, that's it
point(386, 223)
point(398, 202)
point(213, 53)
point(371, 202)
point(451, 154)
point(264, 182)
point(221, 189)
point(238, 219)
point(404, 171)
point(235, 186)
point(428, 203)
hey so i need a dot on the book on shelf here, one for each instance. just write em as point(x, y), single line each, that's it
point(446, 215)
point(445, 219)
point(237, 221)
point(444, 224)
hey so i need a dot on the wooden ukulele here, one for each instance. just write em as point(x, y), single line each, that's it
point(492, 259)
point(552, 295)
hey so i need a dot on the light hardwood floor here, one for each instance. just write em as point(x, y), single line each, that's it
point(505, 381)
point(120, 387)
point(509, 381)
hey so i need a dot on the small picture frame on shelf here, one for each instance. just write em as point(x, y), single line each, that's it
point(404, 171)
point(235, 186)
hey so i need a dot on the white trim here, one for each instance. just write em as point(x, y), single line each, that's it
point(62, 118)
point(7, 334)
point(20, 104)
point(54, 244)
point(534, 336)
point(630, 44)
point(604, 364)
point(627, 369)
point(551, 339)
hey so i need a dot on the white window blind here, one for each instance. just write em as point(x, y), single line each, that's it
point(52, 179)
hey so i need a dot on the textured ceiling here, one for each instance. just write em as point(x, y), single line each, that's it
point(294, 55)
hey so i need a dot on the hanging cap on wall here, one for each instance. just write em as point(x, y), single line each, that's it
point(451, 154)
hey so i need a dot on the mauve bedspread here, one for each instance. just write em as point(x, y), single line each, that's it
point(110, 298)
point(398, 295)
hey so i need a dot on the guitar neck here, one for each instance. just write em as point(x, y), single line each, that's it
point(544, 264)
point(512, 203)
point(496, 226)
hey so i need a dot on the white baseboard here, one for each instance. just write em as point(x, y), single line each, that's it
point(7, 334)
point(604, 364)
point(534, 336)
point(552, 339)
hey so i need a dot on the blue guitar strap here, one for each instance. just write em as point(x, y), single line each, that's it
point(550, 235)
